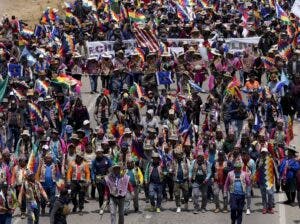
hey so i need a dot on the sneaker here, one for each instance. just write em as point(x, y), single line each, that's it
point(101, 212)
point(23, 215)
point(178, 210)
point(264, 211)
point(225, 210)
point(190, 200)
point(186, 206)
point(248, 212)
point(158, 210)
point(195, 211)
point(271, 211)
point(217, 210)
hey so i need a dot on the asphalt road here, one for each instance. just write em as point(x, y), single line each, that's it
point(283, 214)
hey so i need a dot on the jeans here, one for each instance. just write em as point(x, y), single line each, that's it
point(135, 199)
point(178, 187)
point(93, 82)
point(237, 203)
point(155, 190)
point(33, 213)
point(77, 188)
point(50, 191)
point(267, 197)
point(101, 189)
point(217, 190)
point(13, 137)
point(114, 205)
point(239, 126)
point(5, 218)
point(168, 182)
point(248, 197)
point(105, 81)
point(197, 188)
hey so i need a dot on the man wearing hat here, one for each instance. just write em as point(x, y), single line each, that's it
point(266, 178)
point(18, 178)
point(102, 110)
point(199, 174)
point(78, 178)
point(24, 144)
point(92, 69)
point(236, 183)
point(46, 175)
point(149, 121)
point(57, 147)
point(117, 187)
point(34, 192)
point(287, 170)
point(99, 169)
point(180, 172)
point(154, 181)
point(106, 69)
point(8, 203)
point(136, 180)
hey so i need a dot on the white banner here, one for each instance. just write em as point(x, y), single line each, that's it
point(99, 47)
point(296, 8)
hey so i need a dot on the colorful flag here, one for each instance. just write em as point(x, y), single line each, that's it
point(136, 16)
point(138, 90)
point(30, 59)
point(59, 111)
point(202, 3)
point(66, 80)
point(67, 45)
point(233, 88)
point(285, 49)
point(35, 113)
point(268, 62)
point(137, 149)
point(18, 94)
point(289, 131)
point(282, 15)
point(182, 13)
point(123, 12)
point(15, 70)
point(284, 81)
point(196, 87)
point(114, 16)
point(41, 87)
point(185, 3)
point(164, 78)
point(146, 39)
point(26, 33)
point(3, 87)
point(140, 53)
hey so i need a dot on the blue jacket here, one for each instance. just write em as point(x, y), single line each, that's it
point(100, 166)
point(291, 172)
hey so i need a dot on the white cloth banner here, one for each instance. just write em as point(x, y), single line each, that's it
point(296, 8)
point(99, 47)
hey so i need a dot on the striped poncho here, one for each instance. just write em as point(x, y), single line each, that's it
point(265, 174)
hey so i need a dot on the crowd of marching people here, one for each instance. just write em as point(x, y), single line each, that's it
point(189, 127)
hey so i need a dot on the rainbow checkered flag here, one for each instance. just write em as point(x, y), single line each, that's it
point(282, 15)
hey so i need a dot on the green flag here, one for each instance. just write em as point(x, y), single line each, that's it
point(3, 86)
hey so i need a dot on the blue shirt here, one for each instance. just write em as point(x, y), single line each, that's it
point(238, 188)
point(49, 183)
point(131, 177)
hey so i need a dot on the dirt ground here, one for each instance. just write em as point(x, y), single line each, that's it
point(28, 10)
